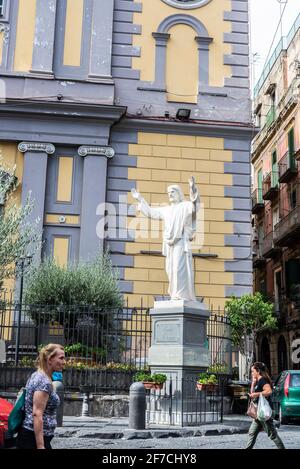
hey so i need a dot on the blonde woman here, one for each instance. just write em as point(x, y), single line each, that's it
point(41, 401)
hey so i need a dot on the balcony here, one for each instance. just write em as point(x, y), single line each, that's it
point(297, 155)
point(258, 258)
point(270, 186)
point(287, 231)
point(257, 201)
point(269, 250)
point(287, 167)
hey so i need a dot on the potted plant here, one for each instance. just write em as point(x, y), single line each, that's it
point(151, 381)
point(218, 367)
point(207, 382)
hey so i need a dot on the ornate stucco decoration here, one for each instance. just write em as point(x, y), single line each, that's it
point(187, 4)
point(38, 147)
point(96, 151)
point(4, 28)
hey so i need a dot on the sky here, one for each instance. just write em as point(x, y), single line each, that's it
point(264, 15)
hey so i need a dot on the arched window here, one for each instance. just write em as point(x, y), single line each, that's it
point(187, 4)
point(170, 31)
point(282, 354)
point(182, 65)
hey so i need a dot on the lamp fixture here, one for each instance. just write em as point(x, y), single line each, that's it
point(183, 114)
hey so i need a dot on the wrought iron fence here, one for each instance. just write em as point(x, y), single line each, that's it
point(99, 344)
point(181, 402)
point(91, 335)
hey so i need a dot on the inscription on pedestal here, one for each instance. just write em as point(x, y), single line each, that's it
point(166, 332)
point(194, 333)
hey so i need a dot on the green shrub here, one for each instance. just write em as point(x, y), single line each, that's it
point(27, 362)
point(158, 378)
point(142, 376)
point(206, 378)
point(92, 283)
point(97, 353)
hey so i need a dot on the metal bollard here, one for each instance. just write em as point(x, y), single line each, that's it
point(58, 387)
point(137, 407)
point(86, 390)
point(85, 412)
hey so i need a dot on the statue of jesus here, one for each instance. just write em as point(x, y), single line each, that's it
point(179, 227)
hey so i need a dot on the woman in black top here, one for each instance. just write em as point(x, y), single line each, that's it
point(262, 384)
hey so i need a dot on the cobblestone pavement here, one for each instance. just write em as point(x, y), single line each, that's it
point(290, 435)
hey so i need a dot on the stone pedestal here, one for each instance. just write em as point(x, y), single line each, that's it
point(179, 349)
point(179, 345)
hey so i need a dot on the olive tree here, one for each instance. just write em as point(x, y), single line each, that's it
point(18, 237)
point(84, 298)
point(249, 316)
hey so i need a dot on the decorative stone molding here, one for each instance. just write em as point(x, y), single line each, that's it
point(187, 4)
point(4, 28)
point(203, 42)
point(161, 38)
point(38, 147)
point(183, 18)
point(109, 152)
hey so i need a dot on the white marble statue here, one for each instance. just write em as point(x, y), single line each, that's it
point(179, 227)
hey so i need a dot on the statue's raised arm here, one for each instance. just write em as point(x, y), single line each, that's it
point(194, 193)
point(136, 195)
point(144, 207)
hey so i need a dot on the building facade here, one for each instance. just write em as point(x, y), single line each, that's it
point(276, 198)
point(92, 90)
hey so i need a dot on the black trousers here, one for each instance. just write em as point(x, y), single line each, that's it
point(26, 440)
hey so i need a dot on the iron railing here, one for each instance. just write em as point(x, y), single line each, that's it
point(268, 247)
point(287, 225)
point(104, 348)
point(181, 403)
point(287, 167)
point(283, 44)
point(270, 184)
point(90, 335)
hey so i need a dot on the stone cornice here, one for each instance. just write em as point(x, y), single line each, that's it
point(62, 109)
point(86, 150)
point(198, 128)
point(48, 148)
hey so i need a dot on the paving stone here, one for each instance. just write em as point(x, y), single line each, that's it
point(210, 432)
point(160, 434)
point(99, 434)
point(63, 433)
point(137, 435)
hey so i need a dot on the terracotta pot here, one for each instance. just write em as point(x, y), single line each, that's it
point(207, 387)
point(151, 385)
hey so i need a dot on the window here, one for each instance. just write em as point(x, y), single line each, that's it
point(1, 8)
point(275, 217)
point(259, 186)
point(293, 197)
point(263, 288)
point(295, 382)
point(291, 140)
point(187, 4)
point(258, 119)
